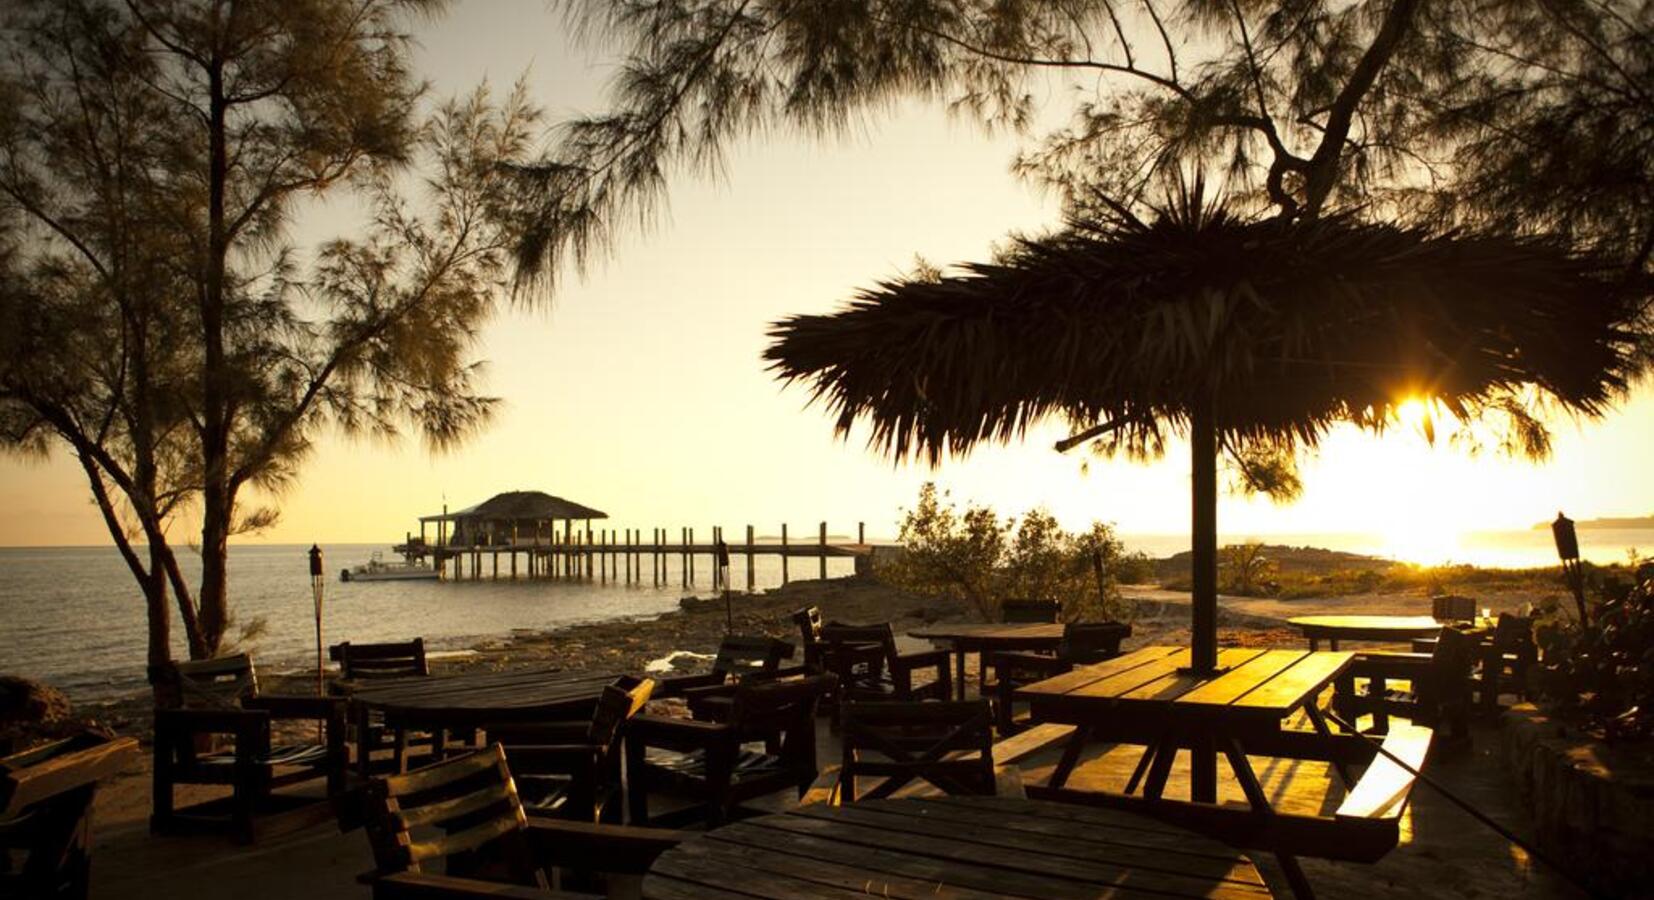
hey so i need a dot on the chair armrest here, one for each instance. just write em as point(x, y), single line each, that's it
point(1023, 661)
point(675, 734)
point(677, 686)
point(514, 734)
point(552, 759)
point(591, 846)
point(431, 886)
point(921, 659)
point(286, 706)
point(706, 693)
point(207, 721)
point(1389, 665)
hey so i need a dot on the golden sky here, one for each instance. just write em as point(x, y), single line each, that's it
point(640, 391)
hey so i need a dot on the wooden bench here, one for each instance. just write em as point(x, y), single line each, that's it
point(1363, 829)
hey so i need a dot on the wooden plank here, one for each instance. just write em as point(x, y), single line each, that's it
point(881, 860)
point(1060, 838)
point(1243, 679)
point(1084, 675)
point(782, 860)
point(722, 874)
point(1383, 789)
point(1030, 741)
point(1296, 684)
point(1175, 684)
point(983, 847)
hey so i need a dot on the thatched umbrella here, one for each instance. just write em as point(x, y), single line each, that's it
point(1241, 334)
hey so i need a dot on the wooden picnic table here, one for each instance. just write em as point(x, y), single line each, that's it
point(984, 639)
point(474, 699)
point(1364, 628)
point(966, 847)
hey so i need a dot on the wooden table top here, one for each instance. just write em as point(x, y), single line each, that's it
point(1398, 627)
point(1256, 683)
point(538, 690)
point(991, 631)
point(963, 847)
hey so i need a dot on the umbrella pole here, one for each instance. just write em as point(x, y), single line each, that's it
point(1203, 630)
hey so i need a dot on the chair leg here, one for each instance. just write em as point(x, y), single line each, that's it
point(1295, 877)
point(162, 810)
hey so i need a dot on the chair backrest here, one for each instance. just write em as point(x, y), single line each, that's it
point(404, 659)
point(1030, 611)
point(769, 707)
point(464, 811)
point(808, 621)
point(619, 702)
point(1092, 642)
point(1451, 663)
point(220, 683)
point(1452, 608)
point(1514, 634)
point(742, 655)
point(947, 743)
point(834, 634)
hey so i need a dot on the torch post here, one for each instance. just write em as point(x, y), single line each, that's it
point(316, 582)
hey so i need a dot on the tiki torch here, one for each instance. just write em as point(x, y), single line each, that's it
point(1567, 548)
point(316, 591)
point(722, 550)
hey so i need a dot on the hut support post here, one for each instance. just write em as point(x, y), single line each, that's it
point(784, 554)
point(749, 559)
point(823, 551)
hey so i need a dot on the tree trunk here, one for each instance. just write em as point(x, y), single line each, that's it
point(217, 496)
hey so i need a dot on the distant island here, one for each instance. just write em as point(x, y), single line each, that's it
point(1621, 522)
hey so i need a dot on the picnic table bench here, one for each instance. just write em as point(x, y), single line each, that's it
point(1149, 697)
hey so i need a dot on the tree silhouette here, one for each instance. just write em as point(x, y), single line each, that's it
point(155, 320)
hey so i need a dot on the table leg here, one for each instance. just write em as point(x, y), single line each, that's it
point(1203, 770)
point(1165, 753)
point(1314, 643)
point(1332, 644)
point(363, 749)
point(1259, 802)
point(959, 672)
point(1070, 756)
point(1319, 722)
point(1142, 767)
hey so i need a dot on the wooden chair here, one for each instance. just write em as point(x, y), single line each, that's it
point(46, 796)
point(1438, 692)
point(465, 814)
point(207, 701)
point(1030, 611)
point(948, 744)
point(1505, 661)
point(711, 763)
point(1083, 643)
point(739, 656)
point(572, 769)
point(374, 662)
point(1450, 608)
point(883, 674)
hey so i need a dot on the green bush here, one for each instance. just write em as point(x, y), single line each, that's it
point(1602, 671)
point(979, 559)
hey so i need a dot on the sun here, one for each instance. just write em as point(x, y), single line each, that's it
point(1413, 412)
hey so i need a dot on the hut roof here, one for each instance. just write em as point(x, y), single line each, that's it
point(521, 505)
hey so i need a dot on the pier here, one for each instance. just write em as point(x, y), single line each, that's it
point(621, 555)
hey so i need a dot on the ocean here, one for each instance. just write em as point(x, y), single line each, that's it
point(73, 617)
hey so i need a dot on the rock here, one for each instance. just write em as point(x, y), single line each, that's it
point(31, 713)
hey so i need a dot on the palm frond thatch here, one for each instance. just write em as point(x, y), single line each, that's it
point(1287, 326)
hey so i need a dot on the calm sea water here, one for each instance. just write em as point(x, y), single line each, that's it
point(73, 616)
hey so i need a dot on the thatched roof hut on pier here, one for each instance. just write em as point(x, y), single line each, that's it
point(508, 519)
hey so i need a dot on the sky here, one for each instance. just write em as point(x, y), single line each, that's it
point(640, 391)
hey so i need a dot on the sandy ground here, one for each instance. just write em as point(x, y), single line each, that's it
point(320, 862)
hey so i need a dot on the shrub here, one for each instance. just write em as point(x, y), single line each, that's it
point(977, 558)
point(1602, 672)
